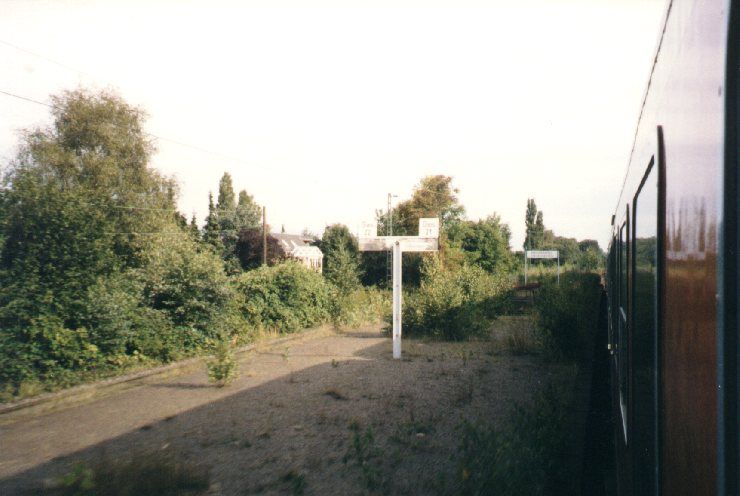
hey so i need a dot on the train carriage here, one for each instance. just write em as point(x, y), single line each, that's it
point(672, 279)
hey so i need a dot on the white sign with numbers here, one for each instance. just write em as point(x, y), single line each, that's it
point(429, 227)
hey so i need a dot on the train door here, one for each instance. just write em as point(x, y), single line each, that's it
point(644, 327)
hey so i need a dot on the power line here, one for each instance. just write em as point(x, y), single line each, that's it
point(44, 57)
point(151, 135)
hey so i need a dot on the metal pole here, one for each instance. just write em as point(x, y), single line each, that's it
point(397, 254)
point(525, 267)
point(558, 267)
point(264, 236)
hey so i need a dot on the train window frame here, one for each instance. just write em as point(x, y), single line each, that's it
point(655, 166)
point(623, 313)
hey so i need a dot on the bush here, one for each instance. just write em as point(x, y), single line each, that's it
point(359, 307)
point(189, 285)
point(454, 304)
point(567, 312)
point(286, 297)
point(222, 367)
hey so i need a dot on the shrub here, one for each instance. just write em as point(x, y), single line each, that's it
point(188, 284)
point(567, 312)
point(222, 367)
point(359, 307)
point(286, 297)
point(453, 304)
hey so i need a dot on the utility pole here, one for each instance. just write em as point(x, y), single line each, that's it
point(264, 236)
point(389, 256)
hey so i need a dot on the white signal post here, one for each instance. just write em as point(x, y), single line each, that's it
point(428, 240)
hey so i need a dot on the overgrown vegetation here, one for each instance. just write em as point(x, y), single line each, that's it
point(568, 312)
point(100, 273)
point(525, 456)
point(456, 303)
point(147, 474)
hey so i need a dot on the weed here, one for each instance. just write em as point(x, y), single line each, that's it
point(333, 393)
point(365, 454)
point(334, 363)
point(296, 481)
point(524, 457)
point(146, 474)
point(465, 394)
point(521, 342)
point(222, 368)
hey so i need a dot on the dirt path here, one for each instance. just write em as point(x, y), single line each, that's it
point(293, 420)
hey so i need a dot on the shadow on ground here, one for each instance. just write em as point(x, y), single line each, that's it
point(304, 423)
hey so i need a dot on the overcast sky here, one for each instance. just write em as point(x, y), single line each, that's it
point(320, 109)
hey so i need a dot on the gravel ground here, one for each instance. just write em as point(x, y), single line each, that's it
point(326, 415)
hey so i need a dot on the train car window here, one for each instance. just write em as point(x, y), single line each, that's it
point(644, 331)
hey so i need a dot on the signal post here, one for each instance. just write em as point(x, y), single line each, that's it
point(426, 241)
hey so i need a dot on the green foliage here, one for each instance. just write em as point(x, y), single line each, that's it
point(365, 454)
point(341, 257)
point(359, 307)
point(432, 197)
point(567, 312)
point(453, 304)
point(222, 367)
point(524, 457)
point(188, 284)
point(147, 474)
point(534, 226)
point(286, 297)
point(484, 243)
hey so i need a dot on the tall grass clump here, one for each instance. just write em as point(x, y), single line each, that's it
point(284, 298)
point(567, 312)
point(454, 303)
point(147, 474)
point(522, 457)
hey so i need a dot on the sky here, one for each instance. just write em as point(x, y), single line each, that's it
point(321, 109)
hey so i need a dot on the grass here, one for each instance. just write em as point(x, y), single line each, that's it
point(148, 474)
point(522, 457)
point(365, 454)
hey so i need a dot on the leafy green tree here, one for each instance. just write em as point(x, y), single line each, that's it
point(341, 257)
point(193, 229)
point(535, 227)
point(248, 213)
point(484, 243)
point(212, 230)
point(530, 219)
point(434, 196)
point(81, 204)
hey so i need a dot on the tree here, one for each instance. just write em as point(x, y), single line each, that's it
point(83, 209)
point(341, 257)
point(248, 213)
point(432, 197)
point(212, 230)
point(484, 243)
point(249, 249)
point(193, 229)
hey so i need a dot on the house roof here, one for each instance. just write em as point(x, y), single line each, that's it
point(297, 246)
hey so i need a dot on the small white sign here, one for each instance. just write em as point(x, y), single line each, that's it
point(542, 254)
point(408, 243)
point(429, 227)
point(368, 230)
